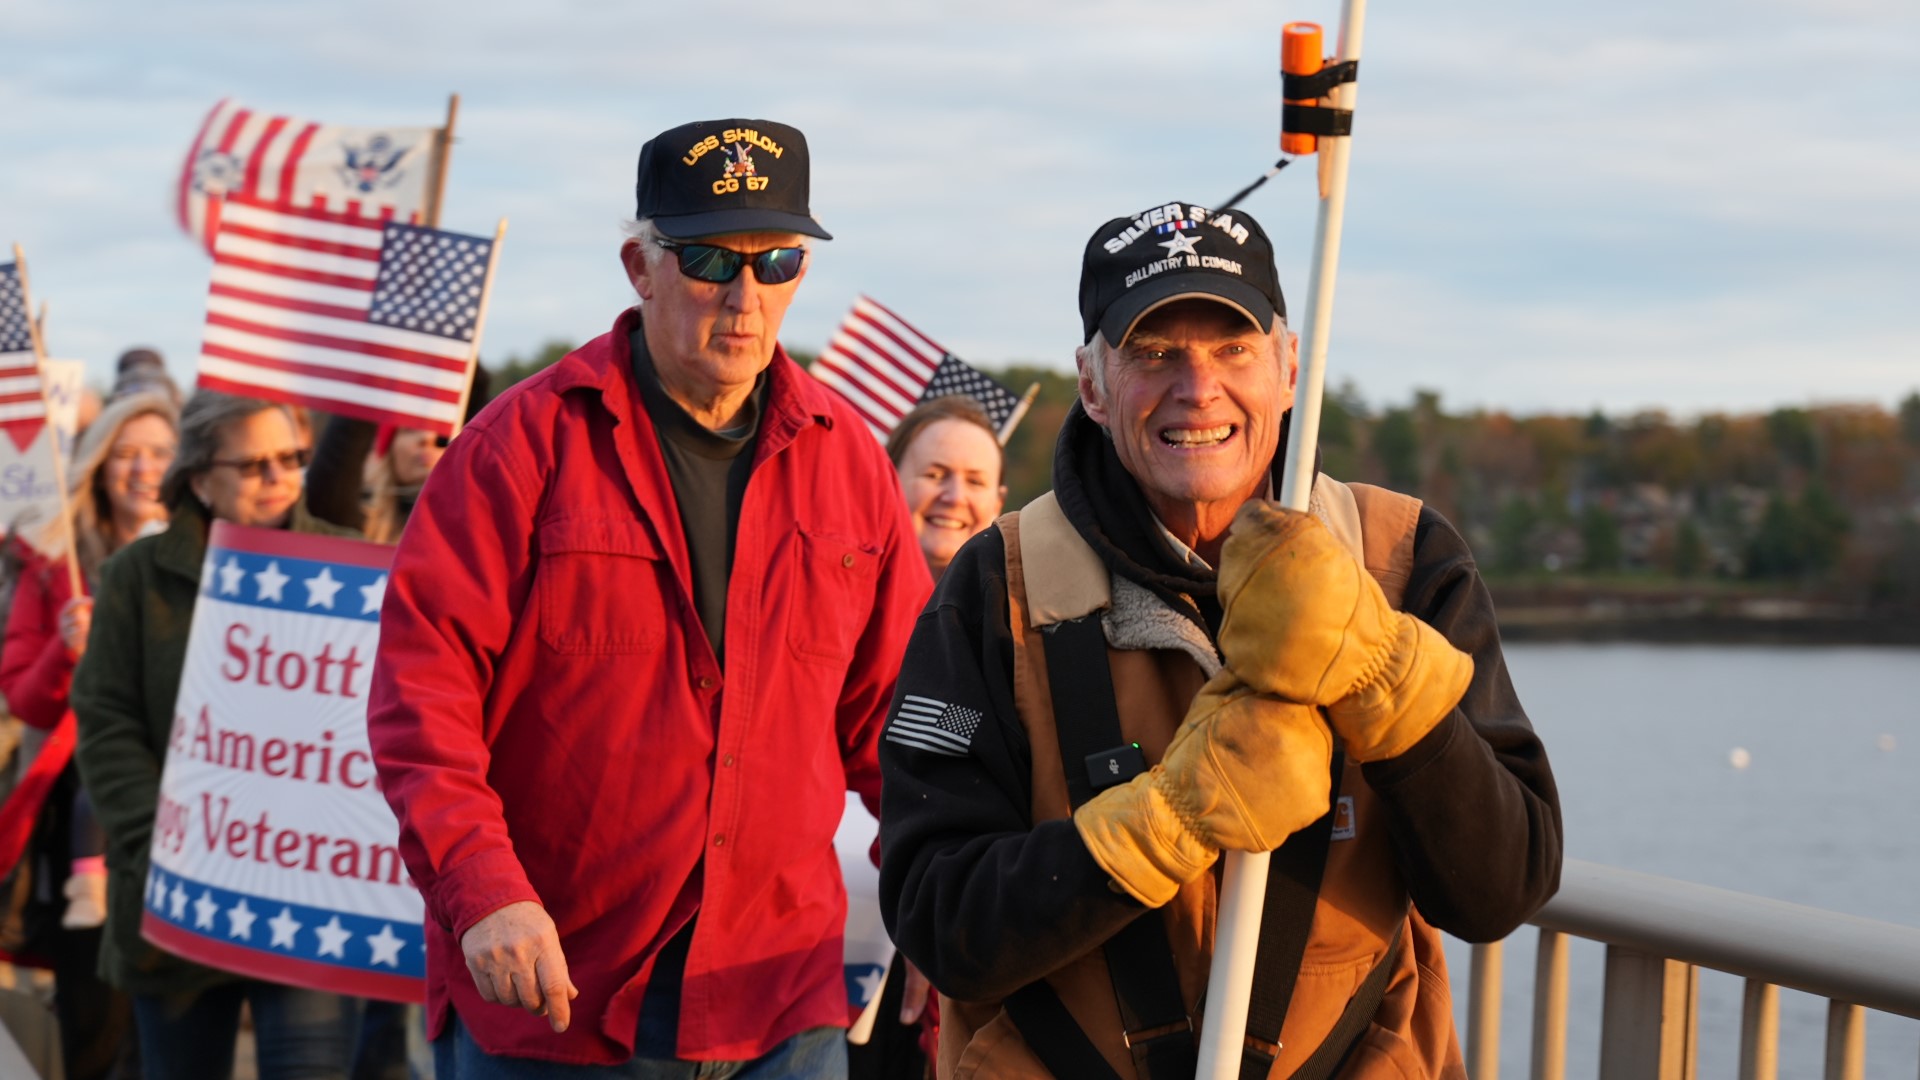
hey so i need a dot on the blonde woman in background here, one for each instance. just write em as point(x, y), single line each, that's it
point(115, 485)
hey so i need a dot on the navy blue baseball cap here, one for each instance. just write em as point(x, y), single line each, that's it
point(726, 176)
point(1176, 251)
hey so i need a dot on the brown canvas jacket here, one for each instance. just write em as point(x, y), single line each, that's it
point(1053, 577)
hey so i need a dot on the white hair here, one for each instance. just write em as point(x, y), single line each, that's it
point(644, 232)
point(1093, 357)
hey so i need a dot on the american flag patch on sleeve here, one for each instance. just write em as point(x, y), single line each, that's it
point(936, 726)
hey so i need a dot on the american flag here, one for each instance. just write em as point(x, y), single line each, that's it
point(360, 172)
point(23, 404)
point(375, 321)
point(884, 367)
point(940, 727)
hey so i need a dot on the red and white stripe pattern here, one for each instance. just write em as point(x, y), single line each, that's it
point(364, 319)
point(23, 402)
point(880, 363)
point(359, 172)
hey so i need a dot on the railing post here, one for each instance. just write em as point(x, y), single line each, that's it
point(1483, 1012)
point(1550, 1007)
point(1647, 1025)
point(1760, 1032)
point(1846, 1041)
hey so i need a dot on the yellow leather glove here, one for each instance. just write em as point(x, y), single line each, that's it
point(1245, 771)
point(1305, 621)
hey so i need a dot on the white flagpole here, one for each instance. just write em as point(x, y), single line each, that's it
point(1243, 886)
point(480, 320)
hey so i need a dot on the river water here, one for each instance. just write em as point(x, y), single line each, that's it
point(1825, 813)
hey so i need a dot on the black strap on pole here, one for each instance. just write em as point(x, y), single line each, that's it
point(1320, 83)
point(1318, 120)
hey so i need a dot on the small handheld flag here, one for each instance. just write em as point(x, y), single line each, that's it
point(378, 321)
point(884, 367)
point(23, 404)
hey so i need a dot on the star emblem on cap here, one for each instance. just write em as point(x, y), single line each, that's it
point(1181, 244)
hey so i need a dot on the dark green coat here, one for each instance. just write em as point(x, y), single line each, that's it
point(123, 696)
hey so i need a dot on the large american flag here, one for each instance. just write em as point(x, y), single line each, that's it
point(364, 319)
point(23, 404)
point(360, 172)
point(884, 367)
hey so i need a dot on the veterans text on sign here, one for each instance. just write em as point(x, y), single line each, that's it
point(274, 854)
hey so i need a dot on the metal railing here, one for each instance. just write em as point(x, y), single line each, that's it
point(1658, 933)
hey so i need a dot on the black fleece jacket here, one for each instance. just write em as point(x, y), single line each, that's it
point(984, 901)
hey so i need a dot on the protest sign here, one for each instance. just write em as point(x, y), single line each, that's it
point(274, 854)
point(868, 949)
point(29, 481)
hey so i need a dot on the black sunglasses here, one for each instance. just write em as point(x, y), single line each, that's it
point(705, 262)
point(256, 468)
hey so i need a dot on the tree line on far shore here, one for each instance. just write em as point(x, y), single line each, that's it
point(1822, 498)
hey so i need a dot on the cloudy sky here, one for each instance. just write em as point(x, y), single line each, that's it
point(1688, 204)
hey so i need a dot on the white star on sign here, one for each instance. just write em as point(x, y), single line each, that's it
point(204, 909)
point(230, 575)
point(1181, 244)
point(270, 581)
point(386, 946)
point(334, 938)
point(177, 902)
point(285, 926)
point(321, 587)
point(156, 888)
point(870, 984)
point(240, 919)
point(372, 595)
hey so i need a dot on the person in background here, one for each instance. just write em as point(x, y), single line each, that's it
point(239, 460)
point(142, 370)
point(951, 466)
point(369, 476)
point(116, 474)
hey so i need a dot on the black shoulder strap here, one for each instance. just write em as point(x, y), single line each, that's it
point(1159, 1032)
point(1286, 921)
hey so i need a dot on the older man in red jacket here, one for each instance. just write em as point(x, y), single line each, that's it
point(640, 637)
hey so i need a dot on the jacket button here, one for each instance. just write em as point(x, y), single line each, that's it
point(720, 840)
point(706, 682)
point(846, 561)
point(727, 762)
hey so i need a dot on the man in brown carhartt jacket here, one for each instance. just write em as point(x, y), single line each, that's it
point(1337, 685)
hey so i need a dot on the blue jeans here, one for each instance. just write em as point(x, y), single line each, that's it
point(815, 1054)
point(298, 1034)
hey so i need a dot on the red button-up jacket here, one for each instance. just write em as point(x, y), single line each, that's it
point(551, 724)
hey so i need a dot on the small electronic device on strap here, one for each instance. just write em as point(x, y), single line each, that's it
point(1107, 768)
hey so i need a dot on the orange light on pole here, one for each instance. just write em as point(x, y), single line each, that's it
point(1301, 53)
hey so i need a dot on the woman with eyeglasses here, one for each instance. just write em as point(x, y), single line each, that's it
point(115, 486)
point(239, 460)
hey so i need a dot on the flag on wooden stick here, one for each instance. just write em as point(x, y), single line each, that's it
point(379, 321)
point(23, 404)
point(358, 172)
point(884, 367)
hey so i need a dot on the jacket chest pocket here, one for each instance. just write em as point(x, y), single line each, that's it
point(832, 596)
point(601, 587)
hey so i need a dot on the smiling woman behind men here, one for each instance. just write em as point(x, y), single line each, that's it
point(951, 468)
